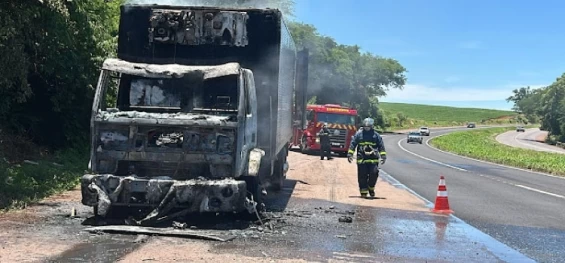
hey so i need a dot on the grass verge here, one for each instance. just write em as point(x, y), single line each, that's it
point(481, 144)
point(23, 181)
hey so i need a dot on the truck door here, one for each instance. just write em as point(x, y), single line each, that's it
point(249, 127)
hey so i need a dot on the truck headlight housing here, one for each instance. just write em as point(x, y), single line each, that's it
point(317, 140)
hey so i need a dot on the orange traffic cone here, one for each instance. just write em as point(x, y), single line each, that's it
point(442, 204)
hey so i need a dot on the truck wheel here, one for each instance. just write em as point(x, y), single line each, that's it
point(279, 176)
point(254, 189)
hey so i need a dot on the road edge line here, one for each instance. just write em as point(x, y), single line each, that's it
point(514, 254)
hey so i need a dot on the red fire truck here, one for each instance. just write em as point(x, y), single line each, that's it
point(342, 122)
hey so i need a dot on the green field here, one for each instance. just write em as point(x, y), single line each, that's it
point(481, 144)
point(443, 114)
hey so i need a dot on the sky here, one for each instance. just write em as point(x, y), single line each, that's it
point(457, 53)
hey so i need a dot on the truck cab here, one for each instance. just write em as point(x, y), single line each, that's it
point(172, 125)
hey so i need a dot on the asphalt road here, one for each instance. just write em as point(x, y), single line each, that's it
point(523, 209)
point(528, 140)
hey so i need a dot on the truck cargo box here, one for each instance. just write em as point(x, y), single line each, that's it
point(257, 39)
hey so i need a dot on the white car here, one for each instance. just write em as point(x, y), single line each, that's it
point(424, 131)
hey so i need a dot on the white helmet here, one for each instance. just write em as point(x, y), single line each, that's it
point(368, 123)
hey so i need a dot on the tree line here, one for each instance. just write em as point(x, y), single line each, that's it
point(545, 105)
point(52, 51)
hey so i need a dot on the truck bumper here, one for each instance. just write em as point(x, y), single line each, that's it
point(106, 190)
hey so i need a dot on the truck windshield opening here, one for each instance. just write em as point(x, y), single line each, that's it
point(336, 118)
point(178, 94)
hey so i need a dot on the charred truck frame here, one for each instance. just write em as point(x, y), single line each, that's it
point(204, 100)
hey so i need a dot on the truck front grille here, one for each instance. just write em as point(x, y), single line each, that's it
point(338, 139)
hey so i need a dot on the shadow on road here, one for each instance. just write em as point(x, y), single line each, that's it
point(368, 198)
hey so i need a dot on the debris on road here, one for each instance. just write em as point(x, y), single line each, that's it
point(341, 236)
point(161, 231)
point(345, 219)
point(178, 225)
point(141, 239)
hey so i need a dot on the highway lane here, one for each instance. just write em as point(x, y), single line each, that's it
point(527, 140)
point(525, 210)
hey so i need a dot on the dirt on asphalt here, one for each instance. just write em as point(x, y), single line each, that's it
point(316, 195)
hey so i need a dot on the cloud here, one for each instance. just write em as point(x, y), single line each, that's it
point(413, 92)
point(471, 44)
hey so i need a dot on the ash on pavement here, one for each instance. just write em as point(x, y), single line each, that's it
point(303, 225)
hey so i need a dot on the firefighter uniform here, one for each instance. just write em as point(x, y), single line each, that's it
point(325, 147)
point(369, 145)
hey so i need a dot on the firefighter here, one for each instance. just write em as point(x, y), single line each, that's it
point(325, 148)
point(369, 145)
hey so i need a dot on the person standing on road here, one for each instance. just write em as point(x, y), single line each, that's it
point(369, 145)
point(325, 147)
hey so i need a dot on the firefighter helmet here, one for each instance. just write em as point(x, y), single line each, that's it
point(368, 123)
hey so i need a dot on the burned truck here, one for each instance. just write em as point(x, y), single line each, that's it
point(196, 112)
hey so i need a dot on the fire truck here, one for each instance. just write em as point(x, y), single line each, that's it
point(342, 122)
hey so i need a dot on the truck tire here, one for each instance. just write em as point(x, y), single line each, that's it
point(279, 176)
point(254, 189)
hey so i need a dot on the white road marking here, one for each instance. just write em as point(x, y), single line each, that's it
point(502, 247)
point(482, 175)
point(428, 159)
point(540, 191)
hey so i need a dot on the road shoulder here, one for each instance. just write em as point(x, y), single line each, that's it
point(530, 139)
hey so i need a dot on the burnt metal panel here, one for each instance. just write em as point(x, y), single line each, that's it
point(270, 53)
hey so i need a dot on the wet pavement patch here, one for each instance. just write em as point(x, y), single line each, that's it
point(374, 233)
point(99, 249)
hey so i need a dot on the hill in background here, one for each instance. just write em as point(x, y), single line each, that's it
point(413, 115)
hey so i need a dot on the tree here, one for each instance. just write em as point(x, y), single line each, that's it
point(342, 74)
point(553, 109)
point(51, 53)
point(401, 118)
point(519, 94)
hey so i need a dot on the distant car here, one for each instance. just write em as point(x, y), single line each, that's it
point(424, 131)
point(414, 137)
point(471, 125)
point(520, 129)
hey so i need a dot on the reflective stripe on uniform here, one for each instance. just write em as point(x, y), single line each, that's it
point(368, 143)
point(359, 161)
point(371, 188)
point(364, 191)
point(382, 153)
point(351, 151)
